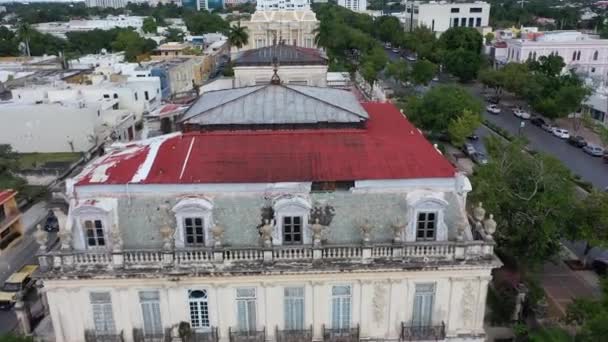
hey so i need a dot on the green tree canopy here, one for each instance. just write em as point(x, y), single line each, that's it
point(530, 197)
point(398, 69)
point(149, 25)
point(173, 34)
point(132, 44)
point(460, 37)
point(462, 63)
point(238, 35)
point(389, 29)
point(205, 22)
point(439, 106)
point(423, 72)
point(463, 126)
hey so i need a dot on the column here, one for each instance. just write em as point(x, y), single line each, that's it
point(319, 309)
point(397, 305)
point(482, 293)
point(366, 307)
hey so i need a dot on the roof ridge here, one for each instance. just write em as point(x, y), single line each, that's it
point(223, 103)
point(324, 101)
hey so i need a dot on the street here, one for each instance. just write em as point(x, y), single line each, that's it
point(19, 255)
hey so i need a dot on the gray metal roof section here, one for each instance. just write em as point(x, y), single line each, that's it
point(284, 54)
point(275, 104)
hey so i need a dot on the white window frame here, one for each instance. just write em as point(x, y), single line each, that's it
point(293, 299)
point(432, 306)
point(331, 305)
point(291, 206)
point(150, 302)
point(193, 207)
point(111, 323)
point(91, 213)
point(200, 327)
point(246, 299)
point(426, 204)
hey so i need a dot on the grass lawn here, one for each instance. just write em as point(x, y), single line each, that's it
point(33, 160)
point(553, 334)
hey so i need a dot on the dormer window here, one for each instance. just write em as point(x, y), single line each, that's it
point(426, 218)
point(92, 224)
point(94, 234)
point(194, 219)
point(426, 226)
point(291, 221)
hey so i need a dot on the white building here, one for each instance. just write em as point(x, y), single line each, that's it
point(354, 5)
point(59, 28)
point(596, 105)
point(282, 5)
point(580, 52)
point(439, 16)
point(106, 3)
point(337, 227)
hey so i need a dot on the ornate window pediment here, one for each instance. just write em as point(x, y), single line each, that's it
point(425, 215)
point(291, 215)
point(194, 220)
point(93, 221)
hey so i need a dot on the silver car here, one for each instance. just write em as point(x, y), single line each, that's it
point(594, 150)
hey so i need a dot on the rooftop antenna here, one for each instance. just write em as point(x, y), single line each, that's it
point(275, 79)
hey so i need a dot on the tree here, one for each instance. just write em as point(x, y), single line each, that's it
point(551, 65)
point(590, 316)
point(132, 44)
point(205, 22)
point(461, 37)
point(591, 224)
point(388, 29)
point(398, 70)
point(173, 34)
point(15, 338)
point(149, 25)
point(424, 42)
point(423, 72)
point(530, 197)
point(463, 126)
point(369, 73)
point(238, 35)
point(489, 37)
point(493, 79)
point(24, 31)
point(463, 64)
point(439, 106)
point(8, 46)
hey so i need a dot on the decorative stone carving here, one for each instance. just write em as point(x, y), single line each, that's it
point(65, 236)
point(166, 232)
point(317, 232)
point(468, 304)
point(461, 227)
point(117, 242)
point(479, 213)
point(398, 226)
point(266, 232)
point(379, 302)
point(489, 226)
point(218, 234)
point(41, 237)
point(366, 231)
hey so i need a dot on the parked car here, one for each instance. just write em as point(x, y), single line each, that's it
point(473, 137)
point(411, 58)
point(20, 281)
point(479, 158)
point(491, 99)
point(536, 121)
point(561, 133)
point(520, 113)
point(395, 50)
point(492, 108)
point(547, 127)
point(594, 150)
point(577, 140)
point(468, 149)
point(51, 224)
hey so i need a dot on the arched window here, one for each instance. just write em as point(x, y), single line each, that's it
point(194, 221)
point(574, 56)
point(93, 226)
point(596, 55)
point(578, 56)
point(199, 309)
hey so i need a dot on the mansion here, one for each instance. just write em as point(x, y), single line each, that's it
point(282, 212)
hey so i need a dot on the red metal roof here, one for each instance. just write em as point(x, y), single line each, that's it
point(389, 148)
point(5, 195)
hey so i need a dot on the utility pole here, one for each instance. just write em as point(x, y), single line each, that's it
point(522, 3)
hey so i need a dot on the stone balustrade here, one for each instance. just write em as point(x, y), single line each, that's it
point(208, 256)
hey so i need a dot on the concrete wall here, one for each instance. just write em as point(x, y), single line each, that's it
point(379, 302)
point(47, 127)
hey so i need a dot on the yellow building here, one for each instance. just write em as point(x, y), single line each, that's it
point(11, 227)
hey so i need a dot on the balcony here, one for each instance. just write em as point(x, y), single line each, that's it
point(422, 332)
point(341, 335)
point(204, 336)
point(140, 336)
point(444, 251)
point(95, 336)
point(247, 335)
point(304, 335)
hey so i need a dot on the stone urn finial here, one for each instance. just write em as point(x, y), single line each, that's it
point(266, 231)
point(366, 231)
point(461, 227)
point(489, 225)
point(65, 236)
point(41, 237)
point(317, 231)
point(398, 225)
point(218, 234)
point(166, 232)
point(479, 213)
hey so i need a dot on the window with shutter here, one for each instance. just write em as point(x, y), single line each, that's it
point(103, 318)
point(294, 308)
point(424, 299)
point(246, 309)
point(341, 306)
point(150, 309)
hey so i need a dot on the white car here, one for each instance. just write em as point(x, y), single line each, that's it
point(520, 113)
point(494, 109)
point(561, 133)
point(411, 58)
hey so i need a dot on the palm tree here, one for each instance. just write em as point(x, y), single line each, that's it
point(238, 36)
point(25, 33)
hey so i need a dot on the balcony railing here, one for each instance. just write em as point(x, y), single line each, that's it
point(140, 336)
point(303, 335)
point(247, 335)
point(96, 336)
point(422, 332)
point(204, 336)
point(206, 256)
point(341, 335)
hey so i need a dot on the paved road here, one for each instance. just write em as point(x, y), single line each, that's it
point(19, 255)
